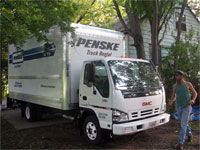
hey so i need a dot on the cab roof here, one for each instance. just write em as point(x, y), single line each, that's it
point(116, 58)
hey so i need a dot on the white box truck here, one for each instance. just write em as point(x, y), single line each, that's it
point(85, 77)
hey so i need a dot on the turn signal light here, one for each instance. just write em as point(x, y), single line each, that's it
point(126, 56)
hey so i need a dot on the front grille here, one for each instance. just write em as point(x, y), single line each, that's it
point(156, 110)
point(144, 113)
point(134, 115)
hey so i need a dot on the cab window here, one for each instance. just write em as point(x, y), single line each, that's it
point(86, 80)
point(101, 81)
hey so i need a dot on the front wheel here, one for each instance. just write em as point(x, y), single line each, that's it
point(92, 130)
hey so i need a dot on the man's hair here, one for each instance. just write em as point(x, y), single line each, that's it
point(179, 72)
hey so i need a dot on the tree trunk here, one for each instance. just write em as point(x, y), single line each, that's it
point(1, 87)
point(134, 29)
point(136, 34)
point(160, 16)
point(154, 31)
point(179, 33)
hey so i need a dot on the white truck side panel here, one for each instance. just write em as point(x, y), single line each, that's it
point(35, 76)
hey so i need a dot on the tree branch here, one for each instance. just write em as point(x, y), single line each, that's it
point(7, 18)
point(163, 35)
point(166, 16)
point(161, 14)
point(120, 17)
point(145, 5)
point(143, 17)
point(180, 21)
point(162, 2)
point(82, 16)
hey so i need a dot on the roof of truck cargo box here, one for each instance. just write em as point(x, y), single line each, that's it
point(75, 25)
point(85, 29)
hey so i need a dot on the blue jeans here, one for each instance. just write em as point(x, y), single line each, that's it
point(184, 114)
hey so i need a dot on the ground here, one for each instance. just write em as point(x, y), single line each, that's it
point(66, 136)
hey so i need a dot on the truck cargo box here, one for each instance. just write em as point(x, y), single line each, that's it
point(48, 72)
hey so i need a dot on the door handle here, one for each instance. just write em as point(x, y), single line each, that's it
point(85, 98)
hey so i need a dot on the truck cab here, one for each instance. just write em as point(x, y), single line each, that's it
point(120, 95)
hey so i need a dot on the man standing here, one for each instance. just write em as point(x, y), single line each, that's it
point(181, 94)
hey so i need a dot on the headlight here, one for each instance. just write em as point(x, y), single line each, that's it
point(119, 116)
point(163, 109)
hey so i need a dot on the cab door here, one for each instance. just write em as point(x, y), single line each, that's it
point(96, 94)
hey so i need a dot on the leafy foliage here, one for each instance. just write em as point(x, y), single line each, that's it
point(4, 70)
point(188, 61)
point(20, 19)
point(195, 6)
point(101, 13)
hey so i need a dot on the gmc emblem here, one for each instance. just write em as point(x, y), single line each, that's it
point(146, 103)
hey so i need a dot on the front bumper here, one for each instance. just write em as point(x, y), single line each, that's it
point(136, 126)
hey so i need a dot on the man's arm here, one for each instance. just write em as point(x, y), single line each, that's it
point(173, 99)
point(194, 93)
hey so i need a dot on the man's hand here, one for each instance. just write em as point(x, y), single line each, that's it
point(173, 99)
point(192, 102)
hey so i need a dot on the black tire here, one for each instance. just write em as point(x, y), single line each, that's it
point(39, 114)
point(92, 130)
point(30, 112)
point(107, 135)
point(22, 111)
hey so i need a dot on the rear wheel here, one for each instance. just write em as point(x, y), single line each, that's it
point(30, 112)
point(92, 130)
point(39, 114)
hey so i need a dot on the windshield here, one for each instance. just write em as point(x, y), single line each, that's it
point(133, 74)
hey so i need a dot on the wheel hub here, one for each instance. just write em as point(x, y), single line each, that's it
point(27, 112)
point(91, 131)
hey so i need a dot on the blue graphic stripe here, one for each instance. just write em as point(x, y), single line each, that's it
point(30, 54)
point(34, 53)
point(33, 50)
point(10, 58)
point(36, 56)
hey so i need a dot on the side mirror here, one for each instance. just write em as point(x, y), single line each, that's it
point(91, 72)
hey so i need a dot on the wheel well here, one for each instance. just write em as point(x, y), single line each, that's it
point(84, 115)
